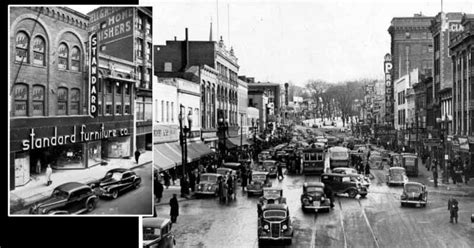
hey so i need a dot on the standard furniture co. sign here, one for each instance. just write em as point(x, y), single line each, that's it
point(93, 74)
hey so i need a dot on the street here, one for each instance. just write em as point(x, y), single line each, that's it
point(134, 201)
point(376, 221)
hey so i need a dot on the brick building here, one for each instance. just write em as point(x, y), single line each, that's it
point(126, 33)
point(49, 96)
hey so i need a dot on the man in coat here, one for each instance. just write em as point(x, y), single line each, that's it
point(137, 155)
point(49, 172)
point(244, 178)
point(453, 210)
point(167, 178)
point(435, 172)
point(158, 189)
point(174, 212)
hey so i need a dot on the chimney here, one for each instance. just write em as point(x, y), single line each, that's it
point(175, 38)
point(186, 50)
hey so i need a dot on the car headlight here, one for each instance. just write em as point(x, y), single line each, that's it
point(209, 188)
point(266, 227)
point(43, 211)
point(322, 198)
point(284, 227)
point(199, 187)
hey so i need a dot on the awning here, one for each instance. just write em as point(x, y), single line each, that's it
point(161, 162)
point(202, 148)
point(192, 155)
point(236, 141)
point(169, 152)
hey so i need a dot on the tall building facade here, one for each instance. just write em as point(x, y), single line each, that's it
point(126, 33)
point(462, 55)
point(50, 121)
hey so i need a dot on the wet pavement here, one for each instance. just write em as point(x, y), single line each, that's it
point(376, 221)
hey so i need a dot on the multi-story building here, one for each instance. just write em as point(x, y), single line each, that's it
point(242, 107)
point(462, 54)
point(273, 108)
point(50, 122)
point(258, 99)
point(126, 33)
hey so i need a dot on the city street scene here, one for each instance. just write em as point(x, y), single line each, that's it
point(80, 111)
point(313, 124)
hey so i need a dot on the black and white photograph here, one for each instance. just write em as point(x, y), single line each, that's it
point(80, 110)
point(312, 124)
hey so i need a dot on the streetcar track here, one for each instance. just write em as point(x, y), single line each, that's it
point(341, 217)
point(313, 232)
point(368, 224)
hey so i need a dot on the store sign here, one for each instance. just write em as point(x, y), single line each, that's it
point(388, 88)
point(93, 75)
point(112, 23)
point(463, 144)
point(164, 133)
point(78, 135)
point(207, 135)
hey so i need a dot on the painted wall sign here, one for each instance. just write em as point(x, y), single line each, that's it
point(93, 76)
point(388, 89)
point(112, 23)
point(79, 135)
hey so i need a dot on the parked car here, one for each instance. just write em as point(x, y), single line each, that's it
point(414, 193)
point(258, 181)
point(208, 184)
point(344, 184)
point(274, 222)
point(313, 197)
point(364, 180)
point(410, 163)
point(264, 155)
point(67, 198)
point(396, 176)
point(157, 233)
point(116, 181)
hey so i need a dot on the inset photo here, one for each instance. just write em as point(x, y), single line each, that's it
point(80, 110)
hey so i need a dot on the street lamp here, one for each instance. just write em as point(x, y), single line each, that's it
point(223, 127)
point(183, 131)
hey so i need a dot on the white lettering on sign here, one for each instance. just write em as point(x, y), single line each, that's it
point(93, 76)
point(456, 27)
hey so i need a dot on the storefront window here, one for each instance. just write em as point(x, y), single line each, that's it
point(62, 101)
point(22, 41)
point(118, 147)
point(20, 96)
point(94, 150)
point(75, 97)
point(38, 100)
point(148, 109)
point(63, 56)
point(75, 59)
point(38, 51)
point(69, 156)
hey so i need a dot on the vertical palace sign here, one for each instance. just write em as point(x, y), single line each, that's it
point(93, 76)
point(388, 89)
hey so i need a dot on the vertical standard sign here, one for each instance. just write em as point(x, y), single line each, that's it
point(93, 64)
point(388, 89)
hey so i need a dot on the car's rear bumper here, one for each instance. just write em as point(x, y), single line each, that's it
point(315, 207)
point(413, 201)
point(204, 193)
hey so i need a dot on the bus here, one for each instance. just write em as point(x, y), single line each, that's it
point(338, 157)
point(313, 160)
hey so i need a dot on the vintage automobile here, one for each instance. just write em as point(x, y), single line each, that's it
point(313, 160)
point(68, 198)
point(116, 181)
point(313, 197)
point(208, 184)
point(281, 156)
point(264, 155)
point(274, 222)
point(410, 163)
point(395, 159)
point(376, 161)
point(157, 233)
point(364, 180)
point(225, 171)
point(344, 184)
point(258, 181)
point(396, 176)
point(414, 193)
point(270, 167)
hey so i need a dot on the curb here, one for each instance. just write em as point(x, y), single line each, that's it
point(179, 200)
point(16, 206)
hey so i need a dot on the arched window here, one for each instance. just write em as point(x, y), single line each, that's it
point(39, 48)
point(75, 59)
point(75, 100)
point(38, 100)
point(20, 98)
point(62, 101)
point(63, 56)
point(21, 46)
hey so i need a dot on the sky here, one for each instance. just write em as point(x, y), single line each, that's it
point(294, 41)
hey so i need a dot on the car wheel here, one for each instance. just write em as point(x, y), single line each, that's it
point(91, 205)
point(115, 194)
point(352, 193)
point(363, 195)
point(137, 184)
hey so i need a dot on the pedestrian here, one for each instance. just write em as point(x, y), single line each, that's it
point(225, 192)
point(174, 212)
point(49, 173)
point(230, 185)
point(428, 163)
point(453, 210)
point(158, 189)
point(367, 169)
point(166, 177)
point(172, 173)
point(137, 155)
point(435, 172)
point(220, 182)
point(192, 181)
point(244, 179)
point(452, 172)
point(329, 194)
point(466, 176)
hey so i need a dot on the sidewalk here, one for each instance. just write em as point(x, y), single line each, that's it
point(168, 193)
point(458, 189)
point(36, 189)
